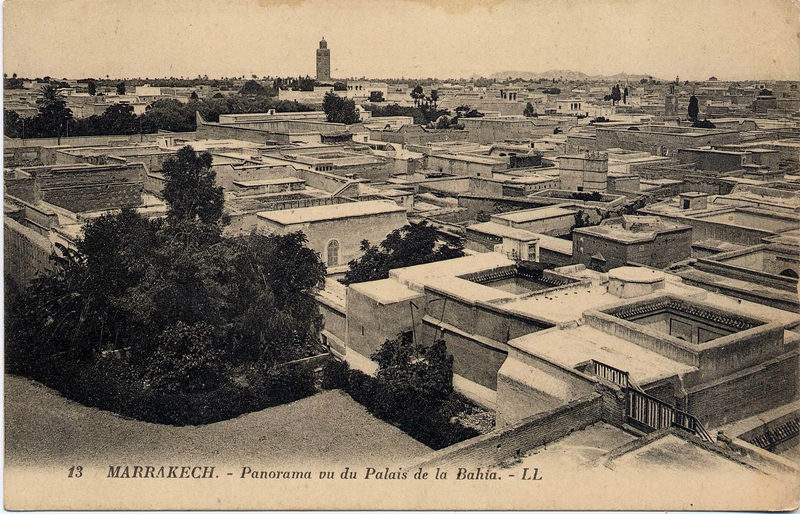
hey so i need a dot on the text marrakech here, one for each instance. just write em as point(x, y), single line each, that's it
point(161, 472)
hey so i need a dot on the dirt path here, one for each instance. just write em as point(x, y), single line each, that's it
point(44, 429)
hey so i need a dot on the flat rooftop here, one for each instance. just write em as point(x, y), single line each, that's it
point(385, 291)
point(571, 347)
point(569, 304)
point(424, 274)
point(639, 229)
point(495, 229)
point(331, 212)
point(535, 214)
point(268, 182)
point(470, 158)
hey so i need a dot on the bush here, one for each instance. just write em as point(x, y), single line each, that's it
point(334, 374)
point(432, 427)
point(361, 387)
point(116, 386)
point(290, 384)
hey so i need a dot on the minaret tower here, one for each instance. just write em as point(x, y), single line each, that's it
point(323, 62)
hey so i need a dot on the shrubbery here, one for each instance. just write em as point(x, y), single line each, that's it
point(412, 390)
point(166, 321)
point(407, 246)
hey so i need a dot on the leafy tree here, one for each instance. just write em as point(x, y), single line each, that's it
point(270, 300)
point(194, 96)
point(339, 110)
point(581, 220)
point(189, 188)
point(407, 246)
point(12, 124)
point(339, 86)
point(186, 359)
point(13, 82)
point(168, 114)
point(397, 110)
point(118, 119)
point(434, 98)
point(304, 84)
point(693, 110)
point(443, 123)
point(376, 96)
point(53, 111)
point(417, 94)
point(121, 88)
point(615, 94)
point(72, 312)
point(529, 111)
point(92, 87)
point(413, 381)
point(704, 124)
point(251, 87)
point(625, 95)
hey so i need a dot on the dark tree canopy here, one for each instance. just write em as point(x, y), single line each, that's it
point(529, 111)
point(694, 109)
point(189, 187)
point(121, 88)
point(704, 124)
point(340, 110)
point(182, 313)
point(414, 380)
point(407, 246)
point(417, 94)
point(251, 87)
point(53, 111)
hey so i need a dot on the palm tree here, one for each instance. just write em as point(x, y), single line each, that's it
point(417, 94)
point(435, 98)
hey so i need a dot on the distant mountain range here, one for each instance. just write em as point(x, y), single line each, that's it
point(566, 75)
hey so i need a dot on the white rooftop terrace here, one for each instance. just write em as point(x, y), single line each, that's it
point(385, 291)
point(496, 229)
point(331, 212)
point(572, 346)
point(566, 305)
point(535, 214)
point(425, 274)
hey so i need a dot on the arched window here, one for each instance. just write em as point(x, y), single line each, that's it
point(789, 273)
point(333, 253)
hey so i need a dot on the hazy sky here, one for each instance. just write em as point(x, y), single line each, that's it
point(731, 39)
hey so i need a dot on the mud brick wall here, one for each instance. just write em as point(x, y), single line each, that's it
point(757, 389)
point(25, 252)
point(95, 196)
point(517, 439)
point(22, 188)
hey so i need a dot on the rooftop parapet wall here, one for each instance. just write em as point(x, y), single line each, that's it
point(663, 140)
point(481, 318)
point(514, 440)
point(717, 264)
point(749, 340)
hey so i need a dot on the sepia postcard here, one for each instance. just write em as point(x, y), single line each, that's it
point(401, 255)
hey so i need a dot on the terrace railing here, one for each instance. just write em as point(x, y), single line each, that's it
point(645, 411)
point(653, 414)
